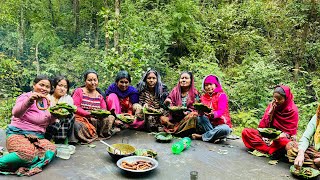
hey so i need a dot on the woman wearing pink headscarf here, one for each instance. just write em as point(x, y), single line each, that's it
point(281, 114)
point(215, 125)
point(184, 94)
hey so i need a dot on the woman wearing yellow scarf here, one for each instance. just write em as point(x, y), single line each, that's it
point(307, 153)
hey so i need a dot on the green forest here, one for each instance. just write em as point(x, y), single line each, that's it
point(252, 45)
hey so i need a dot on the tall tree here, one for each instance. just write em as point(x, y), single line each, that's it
point(117, 19)
point(76, 11)
point(106, 21)
point(21, 30)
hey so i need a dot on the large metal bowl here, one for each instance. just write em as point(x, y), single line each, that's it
point(125, 150)
point(132, 159)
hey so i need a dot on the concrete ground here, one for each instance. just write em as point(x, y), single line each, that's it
point(229, 160)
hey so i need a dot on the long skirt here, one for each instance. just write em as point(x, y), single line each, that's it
point(309, 155)
point(88, 130)
point(28, 154)
point(253, 140)
point(186, 127)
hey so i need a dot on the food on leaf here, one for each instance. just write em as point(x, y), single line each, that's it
point(62, 110)
point(126, 118)
point(304, 172)
point(146, 152)
point(269, 133)
point(100, 113)
point(177, 108)
point(202, 107)
point(163, 136)
point(147, 110)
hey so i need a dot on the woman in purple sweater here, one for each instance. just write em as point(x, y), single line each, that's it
point(28, 150)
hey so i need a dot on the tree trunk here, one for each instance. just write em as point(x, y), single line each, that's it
point(21, 31)
point(96, 36)
point(37, 58)
point(106, 35)
point(53, 23)
point(116, 32)
point(76, 10)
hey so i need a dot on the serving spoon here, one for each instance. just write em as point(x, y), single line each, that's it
point(115, 150)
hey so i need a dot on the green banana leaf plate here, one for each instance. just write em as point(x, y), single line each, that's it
point(163, 137)
point(304, 172)
point(126, 118)
point(202, 107)
point(100, 113)
point(151, 111)
point(269, 133)
point(62, 110)
point(146, 152)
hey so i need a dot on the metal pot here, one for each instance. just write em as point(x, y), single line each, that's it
point(125, 150)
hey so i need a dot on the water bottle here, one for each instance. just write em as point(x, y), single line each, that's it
point(179, 146)
point(186, 142)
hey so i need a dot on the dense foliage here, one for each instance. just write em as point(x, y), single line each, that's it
point(252, 45)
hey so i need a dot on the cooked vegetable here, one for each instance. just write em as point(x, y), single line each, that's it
point(269, 133)
point(304, 172)
point(146, 152)
point(62, 110)
point(126, 118)
point(100, 113)
point(163, 136)
point(177, 108)
point(202, 107)
point(147, 110)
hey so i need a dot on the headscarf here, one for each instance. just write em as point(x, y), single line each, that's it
point(131, 92)
point(213, 79)
point(316, 137)
point(142, 85)
point(285, 116)
point(175, 94)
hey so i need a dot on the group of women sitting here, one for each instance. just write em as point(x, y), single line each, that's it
point(33, 127)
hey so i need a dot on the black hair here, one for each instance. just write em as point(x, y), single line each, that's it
point(142, 85)
point(56, 81)
point(280, 90)
point(40, 78)
point(123, 74)
point(190, 74)
point(85, 75)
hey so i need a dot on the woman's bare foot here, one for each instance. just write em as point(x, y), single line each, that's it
point(196, 136)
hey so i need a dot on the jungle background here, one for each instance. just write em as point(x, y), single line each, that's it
point(252, 45)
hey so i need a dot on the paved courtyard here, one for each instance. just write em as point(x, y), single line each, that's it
point(229, 160)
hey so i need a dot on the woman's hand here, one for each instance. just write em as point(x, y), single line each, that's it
point(35, 96)
point(283, 134)
point(167, 102)
point(298, 162)
point(273, 107)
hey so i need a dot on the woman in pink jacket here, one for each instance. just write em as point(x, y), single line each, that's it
point(28, 150)
point(215, 125)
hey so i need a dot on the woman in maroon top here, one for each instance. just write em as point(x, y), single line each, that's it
point(87, 98)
